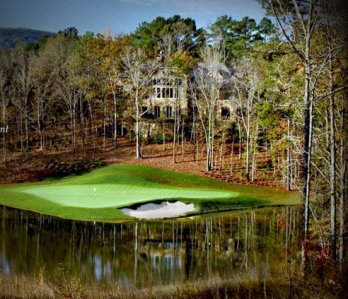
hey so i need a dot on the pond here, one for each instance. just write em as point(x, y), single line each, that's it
point(136, 254)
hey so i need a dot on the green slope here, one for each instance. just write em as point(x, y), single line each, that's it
point(98, 194)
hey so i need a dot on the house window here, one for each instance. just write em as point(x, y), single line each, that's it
point(169, 111)
point(158, 94)
point(157, 111)
point(225, 113)
point(175, 93)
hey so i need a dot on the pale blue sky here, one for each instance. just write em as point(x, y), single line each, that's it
point(119, 16)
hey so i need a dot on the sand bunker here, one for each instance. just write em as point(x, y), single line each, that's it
point(164, 210)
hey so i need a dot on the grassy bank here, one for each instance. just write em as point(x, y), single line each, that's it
point(239, 286)
point(98, 195)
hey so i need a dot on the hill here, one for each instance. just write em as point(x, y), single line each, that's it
point(10, 37)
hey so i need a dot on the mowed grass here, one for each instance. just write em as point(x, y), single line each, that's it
point(117, 195)
point(98, 195)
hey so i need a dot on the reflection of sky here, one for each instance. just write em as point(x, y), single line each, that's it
point(107, 269)
point(101, 270)
point(171, 262)
point(4, 265)
point(97, 267)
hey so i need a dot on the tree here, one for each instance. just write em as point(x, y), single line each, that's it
point(112, 66)
point(304, 17)
point(279, 111)
point(5, 86)
point(210, 76)
point(138, 72)
point(238, 37)
point(174, 34)
point(43, 88)
point(302, 24)
point(245, 85)
point(59, 56)
point(23, 88)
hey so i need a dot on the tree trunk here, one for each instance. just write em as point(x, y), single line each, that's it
point(332, 161)
point(307, 154)
point(93, 132)
point(288, 157)
point(254, 147)
point(39, 129)
point(182, 137)
point(240, 142)
point(222, 151)
point(26, 125)
point(137, 128)
point(82, 124)
point(4, 150)
point(209, 141)
point(232, 148)
point(174, 134)
point(104, 123)
point(343, 182)
point(163, 137)
point(73, 138)
point(247, 154)
point(115, 119)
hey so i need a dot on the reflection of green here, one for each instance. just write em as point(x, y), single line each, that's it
point(94, 196)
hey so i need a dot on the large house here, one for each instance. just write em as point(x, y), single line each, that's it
point(168, 94)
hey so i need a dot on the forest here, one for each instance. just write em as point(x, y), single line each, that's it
point(283, 79)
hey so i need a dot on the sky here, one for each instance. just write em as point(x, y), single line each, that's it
point(117, 16)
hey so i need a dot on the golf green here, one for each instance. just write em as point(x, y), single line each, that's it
point(98, 195)
point(117, 195)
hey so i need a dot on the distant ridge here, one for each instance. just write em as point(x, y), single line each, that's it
point(10, 37)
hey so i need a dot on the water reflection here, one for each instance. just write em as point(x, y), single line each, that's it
point(258, 242)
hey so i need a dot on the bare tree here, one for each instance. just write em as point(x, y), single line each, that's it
point(210, 77)
point(43, 85)
point(66, 89)
point(245, 97)
point(5, 75)
point(114, 87)
point(58, 56)
point(138, 72)
point(23, 82)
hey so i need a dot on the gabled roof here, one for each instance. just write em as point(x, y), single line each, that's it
point(216, 67)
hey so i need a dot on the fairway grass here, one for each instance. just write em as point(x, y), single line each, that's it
point(98, 195)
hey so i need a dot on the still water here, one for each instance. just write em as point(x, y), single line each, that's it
point(261, 242)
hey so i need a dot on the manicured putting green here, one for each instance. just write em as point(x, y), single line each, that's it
point(99, 195)
point(117, 195)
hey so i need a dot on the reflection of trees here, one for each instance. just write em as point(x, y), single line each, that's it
point(260, 242)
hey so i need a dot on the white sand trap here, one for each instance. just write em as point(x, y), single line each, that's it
point(164, 210)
